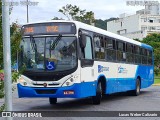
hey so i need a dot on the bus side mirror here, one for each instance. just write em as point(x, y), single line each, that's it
point(82, 41)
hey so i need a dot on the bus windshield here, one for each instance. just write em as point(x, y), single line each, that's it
point(48, 53)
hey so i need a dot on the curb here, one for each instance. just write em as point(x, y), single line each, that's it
point(156, 84)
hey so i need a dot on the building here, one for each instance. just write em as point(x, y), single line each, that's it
point(137, 26)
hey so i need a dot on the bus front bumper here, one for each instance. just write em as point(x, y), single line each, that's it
point(78, 90)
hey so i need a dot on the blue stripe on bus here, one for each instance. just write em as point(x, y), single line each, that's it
point(81, 90)
point(125, 84)
point(86, 89)
point(146, 46)
point(147, 78)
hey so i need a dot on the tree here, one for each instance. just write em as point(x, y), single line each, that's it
point(154, 40)
point(101, 24)
point(56, 18)
point(15, 40)
point(75, 13)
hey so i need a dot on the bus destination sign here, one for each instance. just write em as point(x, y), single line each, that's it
point(49, 29)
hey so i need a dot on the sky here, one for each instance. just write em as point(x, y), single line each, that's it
point(48, 9)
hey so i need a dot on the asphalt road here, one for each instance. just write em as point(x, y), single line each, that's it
point(148, 100)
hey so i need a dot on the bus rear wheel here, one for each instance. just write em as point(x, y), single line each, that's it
point(52, 100)
point(136, 92)
point(97, 99)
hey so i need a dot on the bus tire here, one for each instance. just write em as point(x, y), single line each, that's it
point(136, 92)
point(96, 100)
point(52, 100)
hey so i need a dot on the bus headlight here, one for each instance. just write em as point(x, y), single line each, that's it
point(73, 79)
point(68, 82)
point(23, 81)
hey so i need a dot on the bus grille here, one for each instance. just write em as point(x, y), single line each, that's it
point(46, 91)
point(46, 78)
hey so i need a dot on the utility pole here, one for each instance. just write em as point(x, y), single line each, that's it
point(7, 57)
point(27, 13)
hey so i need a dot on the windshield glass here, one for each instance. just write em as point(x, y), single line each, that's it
point(48, 53)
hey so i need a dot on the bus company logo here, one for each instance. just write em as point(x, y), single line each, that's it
point(122, 70)
point(102, 68)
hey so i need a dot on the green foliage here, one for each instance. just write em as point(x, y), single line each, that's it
point(156, 71)
point(111, 19)
point(101, 24)
point(2, 108)
point(56, 18)
point(71, 12)
point(15, 40)
point(15, 76)
point(1, 89)
point(157, 80)
point(75, 13)
point(154, 40)
point(136, 39)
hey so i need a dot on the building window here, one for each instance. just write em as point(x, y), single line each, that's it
point(121, 24)
point(143, 28)
point(149, 7)
point(151, 21)
point(151, 28)
point(143, 19)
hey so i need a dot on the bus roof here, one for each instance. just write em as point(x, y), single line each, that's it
point(98, 30)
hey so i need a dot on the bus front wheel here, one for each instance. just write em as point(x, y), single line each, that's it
point(97, 99)
point(52, 100)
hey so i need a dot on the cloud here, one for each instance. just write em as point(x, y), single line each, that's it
point(47, 9)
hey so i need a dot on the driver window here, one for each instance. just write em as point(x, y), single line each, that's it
point(88, 48)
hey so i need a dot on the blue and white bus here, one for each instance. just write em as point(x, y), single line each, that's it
point(70, 59)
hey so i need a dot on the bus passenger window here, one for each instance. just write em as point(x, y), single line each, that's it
point(149, 57)
point(137, 55)
point(121, 55)
point(129, 53)
point(110, 49)
point(110, 43)
point(99, 47)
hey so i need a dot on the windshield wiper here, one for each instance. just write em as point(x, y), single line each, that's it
point(33, 44)
point(54, 44)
